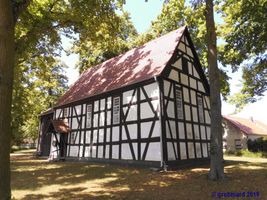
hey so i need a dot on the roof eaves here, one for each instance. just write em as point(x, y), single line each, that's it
point(62, 103)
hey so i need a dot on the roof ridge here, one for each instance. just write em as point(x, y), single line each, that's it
point(246, 125)
point(136, 65)
point(150, 41)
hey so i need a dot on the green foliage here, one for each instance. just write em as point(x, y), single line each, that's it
point(109, 43)
point(245, 30)
point(225, 87)
point(176, 14)
point(245, 35)
point(35, 89)
point(39, 77)
point(255, 77)
point(240, 100)
point(246, 153)
point(103, 30)
point(259, 145)
point(256, 149)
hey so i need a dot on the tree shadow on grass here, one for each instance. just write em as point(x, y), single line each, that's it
point(61, 194)
point(98, 181)
point(34, 176)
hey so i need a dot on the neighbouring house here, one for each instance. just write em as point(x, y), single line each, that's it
point(148, 106)
point(237, 132)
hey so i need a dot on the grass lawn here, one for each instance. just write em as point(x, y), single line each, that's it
point(37, 179)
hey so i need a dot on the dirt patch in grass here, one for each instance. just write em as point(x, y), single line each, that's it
point(34, 178)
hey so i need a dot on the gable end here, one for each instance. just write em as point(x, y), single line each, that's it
point(185, 59)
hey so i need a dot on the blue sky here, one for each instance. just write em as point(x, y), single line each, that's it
point(142, 13)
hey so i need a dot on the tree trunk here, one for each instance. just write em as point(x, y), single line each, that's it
point(6, 80)
point(216, 153)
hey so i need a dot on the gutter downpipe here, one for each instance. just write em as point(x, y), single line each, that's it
point(162, 165)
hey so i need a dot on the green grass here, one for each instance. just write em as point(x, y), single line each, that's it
point(247, 153)
point(38, 179)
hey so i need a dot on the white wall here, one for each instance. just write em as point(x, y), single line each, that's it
point(191, 87)
point(102, 134)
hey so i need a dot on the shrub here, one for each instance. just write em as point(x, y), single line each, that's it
point(247, 153)
point(258, 145)
point(239, 153)
point(229, 153)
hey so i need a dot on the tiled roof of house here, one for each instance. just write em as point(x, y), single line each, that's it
point(47, 112)
point(248, 126)
point(139, 64)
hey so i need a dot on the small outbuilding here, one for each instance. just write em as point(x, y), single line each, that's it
point(148, 106)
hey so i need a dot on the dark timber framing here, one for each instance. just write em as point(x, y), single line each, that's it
point(142, 114)
point(166, 120)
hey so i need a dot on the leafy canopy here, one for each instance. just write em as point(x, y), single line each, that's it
point(39, 74)
point(245, 35)
point(176, 14)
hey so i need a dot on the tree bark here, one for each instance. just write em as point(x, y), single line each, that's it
point(6, 81)
point(216, 153)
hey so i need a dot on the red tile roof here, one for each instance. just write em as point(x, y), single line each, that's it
point(47, 112)
point(248, 126)
point(134, 66)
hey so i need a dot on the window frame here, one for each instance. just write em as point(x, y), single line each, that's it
point(238, 146)
point(65, 112)
point(116, 110)
point(89, 114)
point(200, 106)
point(179, 103)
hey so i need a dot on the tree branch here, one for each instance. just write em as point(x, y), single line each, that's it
point(19, 7)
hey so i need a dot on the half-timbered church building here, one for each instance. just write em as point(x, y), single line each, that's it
point(149, 106)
